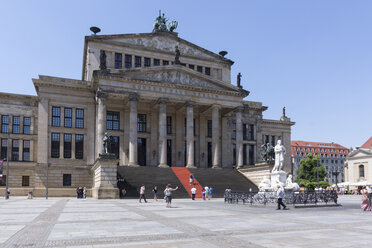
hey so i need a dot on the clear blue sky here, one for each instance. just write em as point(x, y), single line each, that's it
point(314, 57)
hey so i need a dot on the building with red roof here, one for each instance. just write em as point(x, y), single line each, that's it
point(368, 144)
point(332, 156)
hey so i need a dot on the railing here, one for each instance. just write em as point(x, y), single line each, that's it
point(295, 198)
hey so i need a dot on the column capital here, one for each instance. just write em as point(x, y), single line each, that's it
point(239, 109)
point(162, 100)
point(190, 104)
point(133, 97)
point(101, 95)
point(216, 106)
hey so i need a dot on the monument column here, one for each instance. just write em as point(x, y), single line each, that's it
point(216, 147)
point(101, 121)
point(239, 137)
point(133, 100)
point(190, 134)
point(163, 132)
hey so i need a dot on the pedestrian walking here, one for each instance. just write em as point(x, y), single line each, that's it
point(168, 195)
point(193, 192)
point(280, 195)
point(365, 201)
point(203, 193)
point(155, 190)
point(84, 193)
point(191, 180)
point(210, 193)
point(142, 193)
point(206, 191)
point(369, 194)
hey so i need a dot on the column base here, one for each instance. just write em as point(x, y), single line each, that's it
point(190, 166)
point(216, 167)
point(240, 167)
point(133, 164)
point(163, 166)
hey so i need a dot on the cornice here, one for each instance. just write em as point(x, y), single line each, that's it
point(267, 121)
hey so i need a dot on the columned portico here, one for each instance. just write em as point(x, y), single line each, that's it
point(133, 102)
point(101, 121)
point(190, 134)
point(162, 132)
point(216, 147)
point(239, 137)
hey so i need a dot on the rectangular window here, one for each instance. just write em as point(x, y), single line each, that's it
point(141, 123)
point(234, 154)
point(118, 60)
point(16, 124)
point(25, 181)
point(4, 124)
point(234, 130)
point(68, 117)
point(156, 62)
point(26, 125)
point(267, 140)
point(245, 133)
point(199, 69)
point(15, 150)
point(56, 116)
point(137, 61)
point(55, 145)
point(169, 124)
point(114, 146)
point(245, 154)
point(207, 71)
point(250, 132)
point(67, 140)
point(66, 179)
point(113, 120)
point(273, 140)
point(4, 148)
point(79, 118)
point(26, 150)
point(79, 146)
point(251, 154)
point(165, 62)
point(192, 67)
point(147, 62)
point(128, 61)
point(209, 126)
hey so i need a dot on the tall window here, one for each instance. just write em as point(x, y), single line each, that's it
point(114, 146)
point(234, 154)
point(273, 140)
point(66, 179)
point(118, 60)
point(234, 131)
point(245, 153)
point(209, 125)
point(55, 145)
point(112, 122)
point(245, 134)
point(16, 124)
point(250, 132)
point(137, 61)
point(79, 118)
point(4, 148)
point(267, 139)
point(26, 125)
point(251, 154)
point(4, 124)
point(361, 171)
point(141, 123)
point(165, 62)
point(207, 71)
point(156, 62)
point(169, 124)
point(67, 139)
point(147, 62)
point(192, 67)
point(26, 150)
point(79, 146)
point(25, 181)
point(15, 150)
point(68, 117)
point(199, 69)
point(56, 116)
point(128, 61)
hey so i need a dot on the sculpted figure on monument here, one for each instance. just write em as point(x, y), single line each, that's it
point(238, 78)
point(106, 142)
point(160, 23)
point(267, 153)
point(177, 58)
point(264, 184)
point(102, 60)
point(279, 150)
point(291, 185)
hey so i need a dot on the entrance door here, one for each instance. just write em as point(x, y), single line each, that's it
point(209, 154)
point(169, 152)
point(141, 151)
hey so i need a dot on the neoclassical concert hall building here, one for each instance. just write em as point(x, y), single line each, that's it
point(164, 101)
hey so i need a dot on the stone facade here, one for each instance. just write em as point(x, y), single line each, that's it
point(158, 113)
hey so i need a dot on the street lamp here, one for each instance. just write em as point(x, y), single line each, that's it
point(317, 170)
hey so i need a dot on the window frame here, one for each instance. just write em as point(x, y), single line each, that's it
point(67, 145)
point(16, 125)
point(54, 148)
point(118, 63)
point(79, 119)
point(26, 126)
point(26, 150)
point(56, 117)
point(67, 118)
point(4, 123)
point(141, 123)
point(79, 152)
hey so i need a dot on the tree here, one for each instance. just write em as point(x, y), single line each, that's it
point(308, 172)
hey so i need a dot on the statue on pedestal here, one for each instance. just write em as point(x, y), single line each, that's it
point(265, 184)
point(291, 185)
point(106, 142)
point(238, 79)
point(177, 58)
point(267, 153)
point(102, 60)
point(279, 150)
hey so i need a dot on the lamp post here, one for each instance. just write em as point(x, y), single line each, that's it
point(7, 169)
point(317, 170)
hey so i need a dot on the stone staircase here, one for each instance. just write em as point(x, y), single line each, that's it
point(256, 173)
point(183, 174)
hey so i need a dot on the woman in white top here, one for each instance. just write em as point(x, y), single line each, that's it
point(168, 194)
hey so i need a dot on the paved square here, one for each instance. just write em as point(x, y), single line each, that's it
point(67, 222)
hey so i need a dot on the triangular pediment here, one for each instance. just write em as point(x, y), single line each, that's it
point(163, 41)
point(177, 74)
point(360, 153)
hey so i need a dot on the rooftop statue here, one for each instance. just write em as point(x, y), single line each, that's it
point(177, 58)
point(160, 23)
point(102, 60)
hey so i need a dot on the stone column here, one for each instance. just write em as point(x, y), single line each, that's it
point(190, 134)
point(163, 132)
point(133, 100)
point(239, 137)
point(101, 122)
point(216, 147)
point(43, 144)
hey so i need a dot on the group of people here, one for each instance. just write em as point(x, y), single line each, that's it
point(168, 192)
point(206, 191)
point(366, 192)
point(81, 192)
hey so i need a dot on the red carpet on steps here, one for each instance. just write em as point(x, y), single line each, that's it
point(183, 174)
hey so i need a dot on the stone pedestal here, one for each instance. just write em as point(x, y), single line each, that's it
point(278, 176)
point(104, 177)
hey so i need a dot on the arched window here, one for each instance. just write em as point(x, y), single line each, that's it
point(361, 170)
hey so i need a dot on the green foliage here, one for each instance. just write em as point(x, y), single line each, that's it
point(308, 172)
